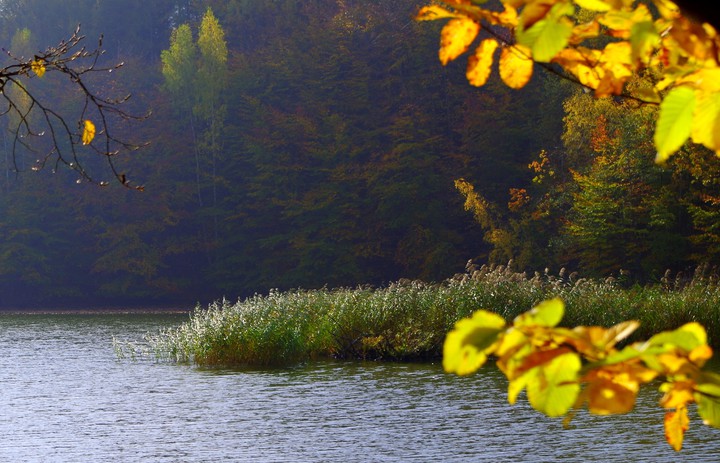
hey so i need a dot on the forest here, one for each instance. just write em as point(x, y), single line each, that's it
point(319, 143)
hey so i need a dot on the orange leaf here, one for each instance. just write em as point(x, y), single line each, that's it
point(676, 423)
point(677, 394)
point(480, 63)
point(456, 37)
point(516, 66)
point(606, 397)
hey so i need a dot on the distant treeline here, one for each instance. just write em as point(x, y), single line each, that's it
point(331, 160)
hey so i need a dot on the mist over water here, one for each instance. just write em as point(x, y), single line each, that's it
point(65, 397)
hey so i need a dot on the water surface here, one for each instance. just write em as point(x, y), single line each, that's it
point(65, 397)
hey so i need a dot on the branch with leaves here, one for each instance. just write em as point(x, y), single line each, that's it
point(71, 137)
point(599, 44)
point(564, 369)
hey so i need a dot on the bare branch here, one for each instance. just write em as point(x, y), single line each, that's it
point(32, 116)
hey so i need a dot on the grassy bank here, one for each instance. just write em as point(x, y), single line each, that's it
point(408, 320)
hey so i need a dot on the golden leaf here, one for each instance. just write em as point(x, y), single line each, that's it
point(606, 397)
point(677, 394)
point(585, 31)
point(467, 346)
point(456, 37)
point(592, 5)
point(88, 132)
point(674, 123)
point(554, 388)
point(706, 120)
point(480, 63)
point(580, 62)
point(516, 66)
point(676, 423)
point(38, 67)
point(433, 12)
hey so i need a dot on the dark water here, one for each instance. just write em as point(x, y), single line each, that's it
point(65, 397)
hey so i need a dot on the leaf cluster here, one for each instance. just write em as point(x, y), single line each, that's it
point(563, 36)
point(564, 369)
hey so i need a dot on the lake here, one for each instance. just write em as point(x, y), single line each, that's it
point(66, 397)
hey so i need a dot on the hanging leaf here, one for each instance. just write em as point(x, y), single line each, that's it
point(708, 398)
point(549, 35)
point(547, 313)
point(676, 423)
point(88, 132)
point(554, 390)
point(706, 122)
point(643, 38)
point(456, 37)
point(38, 67)
point(480, 63)
point(516, 66)
point(466, 347)
point(675, 121)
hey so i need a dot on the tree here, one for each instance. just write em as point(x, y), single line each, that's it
point(196, 77)
point(77, 136)
point(599, 45)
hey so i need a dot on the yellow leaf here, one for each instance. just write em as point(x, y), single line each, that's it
point(516, 66)
point(548, 35)
point(580, 62)
point(667, 9)
point(554, 390)
point(644, 38)
point(88, 132)
point(614, 68)
point(674, 122)
point(433, 12)
point(700, 355)
point(585, 31)
point(677, 394)
point(456, 37)
point(706, 120)
point(676, 423)
point(480, 63)
point(516, 386)
point(592, 5)
point(547, 313)
point(38, 67)
point(467, 346)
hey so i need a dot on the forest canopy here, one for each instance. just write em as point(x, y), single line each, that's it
point(326, 152)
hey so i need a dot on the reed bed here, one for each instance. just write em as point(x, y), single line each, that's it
point(408, 320)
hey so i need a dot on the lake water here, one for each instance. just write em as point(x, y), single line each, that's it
point(65, 397)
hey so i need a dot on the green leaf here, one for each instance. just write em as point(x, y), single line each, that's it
point(675, 121)
point(709, 409)
point(554, 388)
point(643, 39)
point(547, 313)
point(466, 347)
point(549, 35)
point(687, 337)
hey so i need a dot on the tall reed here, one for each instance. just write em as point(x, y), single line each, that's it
point(408, 320)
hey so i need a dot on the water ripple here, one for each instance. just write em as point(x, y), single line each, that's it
point(65, 397)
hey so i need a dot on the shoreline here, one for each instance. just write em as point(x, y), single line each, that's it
point(95, 311)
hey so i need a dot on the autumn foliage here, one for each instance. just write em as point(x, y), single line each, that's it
point(565, 369)
point(600, 45)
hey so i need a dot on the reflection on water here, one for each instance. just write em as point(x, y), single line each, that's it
point(65, 397)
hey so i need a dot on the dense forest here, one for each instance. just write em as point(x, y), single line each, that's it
point(304, 144)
